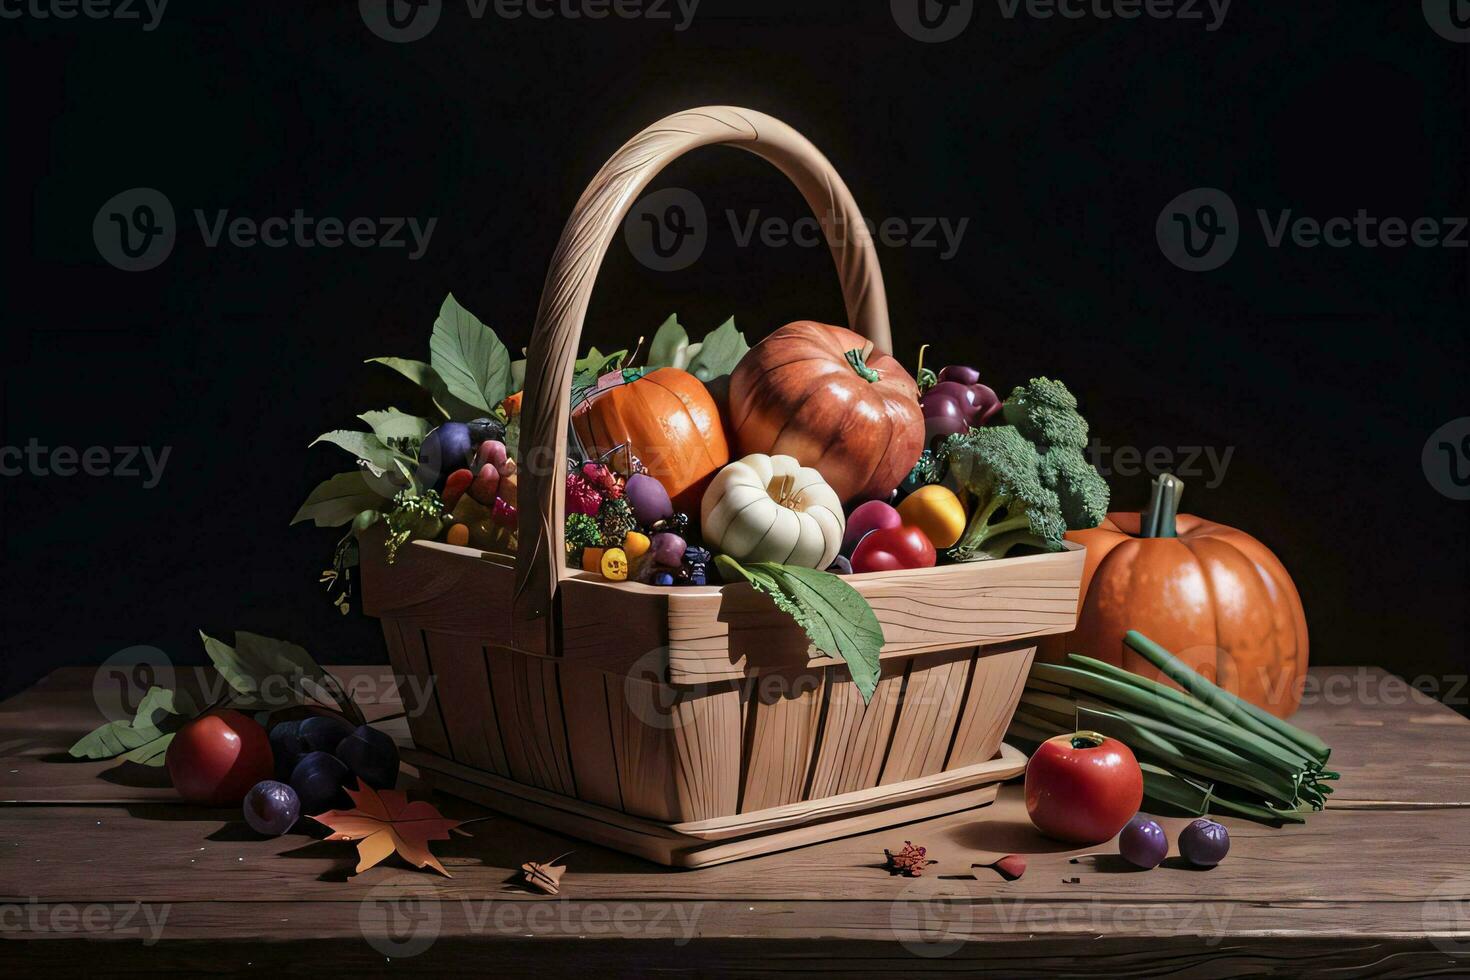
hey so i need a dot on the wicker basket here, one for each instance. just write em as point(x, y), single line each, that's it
point(695, 725)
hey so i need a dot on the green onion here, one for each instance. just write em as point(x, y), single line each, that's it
point(1242, 712)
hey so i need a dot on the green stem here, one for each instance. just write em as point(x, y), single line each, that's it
point(855, 357)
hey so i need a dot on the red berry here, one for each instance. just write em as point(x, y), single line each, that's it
point(459, 481)
point(487, 481)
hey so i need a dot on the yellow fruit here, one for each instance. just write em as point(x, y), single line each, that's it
point(937, 512)
point(636, 545)
point(615, 565)
point(592, 559)
point(459, 534)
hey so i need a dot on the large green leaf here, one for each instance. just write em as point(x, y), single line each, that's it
point(835, 616)
point(146, 736)
point(670, 347)
point(337, 501)
point(363, 445)
point(719, 352)
point(391, 424)
point(466, 354)
point(428, 379)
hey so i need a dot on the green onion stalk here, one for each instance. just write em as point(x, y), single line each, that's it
point(1202, 749)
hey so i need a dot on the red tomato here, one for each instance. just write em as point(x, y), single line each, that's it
point(216, 758)
point(1082, 787)
point(890, 548)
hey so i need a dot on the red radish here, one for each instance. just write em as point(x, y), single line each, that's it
point(455, 487)
point(487, 481)
point(491, 451)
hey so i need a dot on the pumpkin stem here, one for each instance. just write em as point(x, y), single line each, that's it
point(855, 357)
point(1159, 520)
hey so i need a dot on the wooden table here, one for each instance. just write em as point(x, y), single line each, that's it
point(102, 871)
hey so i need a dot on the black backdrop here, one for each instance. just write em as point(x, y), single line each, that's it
point(1324, 370)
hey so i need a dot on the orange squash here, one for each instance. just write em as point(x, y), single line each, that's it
point(667, 419)
point(1214, 596)
point(824, 395)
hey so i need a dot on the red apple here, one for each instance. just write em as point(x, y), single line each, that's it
point(216, 758)
point(1082, 788)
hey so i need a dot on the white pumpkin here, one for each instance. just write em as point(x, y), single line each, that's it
point(771, 508)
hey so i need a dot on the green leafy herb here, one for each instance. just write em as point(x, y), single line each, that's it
point(469, 357)
point(836, 617)
point(719, 352)
point(337, 501)
point(413, 516)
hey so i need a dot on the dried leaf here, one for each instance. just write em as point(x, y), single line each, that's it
point(386, 823)
point(910, 861)
point(544, 877)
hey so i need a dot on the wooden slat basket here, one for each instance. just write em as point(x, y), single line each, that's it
point(695, 725)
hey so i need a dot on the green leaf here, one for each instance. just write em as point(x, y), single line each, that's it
point(719, 352)
point(392, 424)
point(146, 736)
point(231, 666)
point(835, 616)
point(587, 370)
point(670, 347)
point(337, 501)
point(363, 445)
point(466, 354)
point(517, 375)
point(160, 703)
point(428, 379)
point(151, 753)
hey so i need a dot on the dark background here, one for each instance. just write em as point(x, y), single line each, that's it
point(1060, 141)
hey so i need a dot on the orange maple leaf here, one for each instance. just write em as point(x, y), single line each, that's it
point(386, 823)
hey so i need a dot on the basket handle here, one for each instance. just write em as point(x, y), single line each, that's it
point(546, 408)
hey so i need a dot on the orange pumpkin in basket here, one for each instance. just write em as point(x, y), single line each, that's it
point(824, 395)
point(667, 419)
point(1214, 596)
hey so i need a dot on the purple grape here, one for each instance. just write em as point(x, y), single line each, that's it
point(668, 549)
point(648, 498)
point(1143, 842)
point(1204, 843)
point(663, 578)
point(960, 375)
point(318, 780)
point(271, 808)
point(372, 756)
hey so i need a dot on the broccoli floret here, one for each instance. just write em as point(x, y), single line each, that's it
point(1010, 507)
point(1082, 491)
point(1046, 413)
point(581, 532)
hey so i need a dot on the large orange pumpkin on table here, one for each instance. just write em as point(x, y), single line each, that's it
point(667, 419)
point(1214, 596)
point(826, 396)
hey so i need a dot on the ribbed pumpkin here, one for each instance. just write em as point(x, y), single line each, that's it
point(824, 395)
point(669, 421)
point(1214, 596)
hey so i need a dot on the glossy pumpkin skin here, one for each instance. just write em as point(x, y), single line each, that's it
point(795, 394)
point(1214, 596)
point(669, 421)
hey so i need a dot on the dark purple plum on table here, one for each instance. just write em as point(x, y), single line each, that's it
point(372, 756)
point(271, 808)
point(443, 451)
point(323, 733)
point(318, 780)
